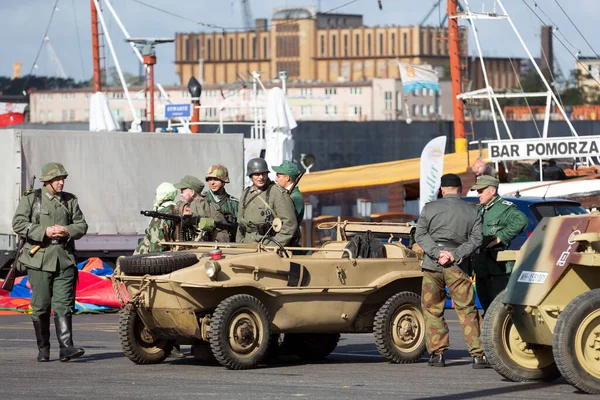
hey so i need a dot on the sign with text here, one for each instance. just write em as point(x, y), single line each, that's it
point(178, 110)
point(527, 149)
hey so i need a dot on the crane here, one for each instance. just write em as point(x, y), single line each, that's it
point(248, 24)
point(60, 71)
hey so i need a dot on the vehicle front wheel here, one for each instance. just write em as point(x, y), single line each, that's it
point(137, 342)
point(240, 332)
point(399, 328)
point(311, 346)
point(510, 356)
point(576, 342)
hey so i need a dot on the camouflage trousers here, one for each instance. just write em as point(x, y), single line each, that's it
point(433, 300)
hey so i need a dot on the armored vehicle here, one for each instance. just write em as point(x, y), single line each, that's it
point(235, 300)
point(547, 322)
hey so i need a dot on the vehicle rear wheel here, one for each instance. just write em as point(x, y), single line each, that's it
point(240, 332)
point(576, 342)
point(311, 346)
point(137, 342)
point(399, 328)
point(156, 263)
point(510, 356)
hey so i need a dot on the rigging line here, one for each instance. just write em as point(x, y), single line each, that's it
point(555, 25)
point(525, 98)
point(41, 46)
point(553, 78)
point(562, 43)
point(569, 18)
point(78, 40)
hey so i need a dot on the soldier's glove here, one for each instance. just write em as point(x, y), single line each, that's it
point(206, 224)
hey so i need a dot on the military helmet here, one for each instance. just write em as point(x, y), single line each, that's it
point(52, 170)
point(256, 166)
point(219, 172)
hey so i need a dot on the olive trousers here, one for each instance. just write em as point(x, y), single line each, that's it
point(52, 291)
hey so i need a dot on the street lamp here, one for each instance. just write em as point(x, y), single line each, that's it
point(195, 89)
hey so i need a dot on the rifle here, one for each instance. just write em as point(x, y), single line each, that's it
point(291, 189)
point(9, 280)
point(188, 221)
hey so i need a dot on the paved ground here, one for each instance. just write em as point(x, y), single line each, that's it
point(354, 371)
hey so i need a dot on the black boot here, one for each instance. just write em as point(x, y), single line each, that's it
point(481, 362)
point(64, 334)
point(42, 335)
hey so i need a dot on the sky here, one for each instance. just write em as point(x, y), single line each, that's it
point(23, 24)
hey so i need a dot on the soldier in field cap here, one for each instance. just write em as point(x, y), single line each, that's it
point(502, 222)
point(287, 173)
point(50, 220)
point(449, 231)
point(190, 187)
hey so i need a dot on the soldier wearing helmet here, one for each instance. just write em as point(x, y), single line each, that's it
point(50, 220)
point(260, 204)
point(216, 177)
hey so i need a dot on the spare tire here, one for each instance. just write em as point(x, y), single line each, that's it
point(156, 263)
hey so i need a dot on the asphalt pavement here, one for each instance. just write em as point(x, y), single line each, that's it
point(355, 370)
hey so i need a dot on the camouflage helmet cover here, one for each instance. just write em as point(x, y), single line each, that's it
point(219, 172)
point(256, 166)
point(52, 170)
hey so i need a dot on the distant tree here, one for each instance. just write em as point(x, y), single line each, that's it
point(28, 83)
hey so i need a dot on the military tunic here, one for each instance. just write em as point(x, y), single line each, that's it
point(228, 206)
point(501, 219)
point(298, 202)
point(52, 269)
point(253, 214)
point(202, 208)
point(453, 225)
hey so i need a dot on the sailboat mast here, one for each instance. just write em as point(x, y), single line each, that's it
point(460, 141)
point(95, 49)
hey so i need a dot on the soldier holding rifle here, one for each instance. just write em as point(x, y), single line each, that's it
point(50, 220)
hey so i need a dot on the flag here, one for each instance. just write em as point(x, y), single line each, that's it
point(415, 77)
point(432, 168)
point(12, 113)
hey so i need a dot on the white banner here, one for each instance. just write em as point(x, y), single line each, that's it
point(432, 168)
point(527, 149)
point(415, 77)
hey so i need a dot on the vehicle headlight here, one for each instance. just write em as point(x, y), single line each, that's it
point(212, 268)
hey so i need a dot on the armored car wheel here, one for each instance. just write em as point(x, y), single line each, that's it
point(576, 342)
point(156, 263)
point(311, 346)
point(137, 342)
point(240, 332)
point(399, 328)
point(510, 356)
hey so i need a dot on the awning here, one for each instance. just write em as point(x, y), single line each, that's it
point(382, 173)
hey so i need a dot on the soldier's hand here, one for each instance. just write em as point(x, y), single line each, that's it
point(61, 231)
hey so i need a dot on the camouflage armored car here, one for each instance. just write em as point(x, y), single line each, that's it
point(547, 322)
point(233, 301)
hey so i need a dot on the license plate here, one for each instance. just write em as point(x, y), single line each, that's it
point(532, 277)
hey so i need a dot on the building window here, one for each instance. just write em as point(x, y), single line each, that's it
point(355, 111)
point(330, 110)
point(415, 110)
point(404, 44)
point(306, 92)
point(254, 47)
point(64, 115)
point(49, 97)
point(242, 45)
point(210, 112)
point(188, 50)
point(388, 100)
point(393, 44)
point(231, 49)
point(333, 46)
point(50, 116)
point(64, 96)
point(140, 113)
point(345, 45)
point(355, 90)
point(72, 96)
point(381, 44)
point(330, 91)
point(42, 97)
point(322, 45)
point(292, 67)
point(265, 48)
point(198, 47)
point(431, 109)
point(369, 44)
point(424, 110)
point(220, 49)
point(306, 111)
point(287, 46)
point(117, 95)
point(71, 115)
point(208, 49)
point(357, 48)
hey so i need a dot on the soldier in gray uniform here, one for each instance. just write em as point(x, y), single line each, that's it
point(50, 220)
point(449, 231)
point(260, 204)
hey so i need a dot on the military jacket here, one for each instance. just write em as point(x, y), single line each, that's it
point(228, 206)
point(61, 209)
point(202, 208)
point(254, 213)
point(501, 219)
point(298, 202)
point(160, 230)
point(448, 224)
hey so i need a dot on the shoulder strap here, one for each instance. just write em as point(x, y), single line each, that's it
point(36, 207)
